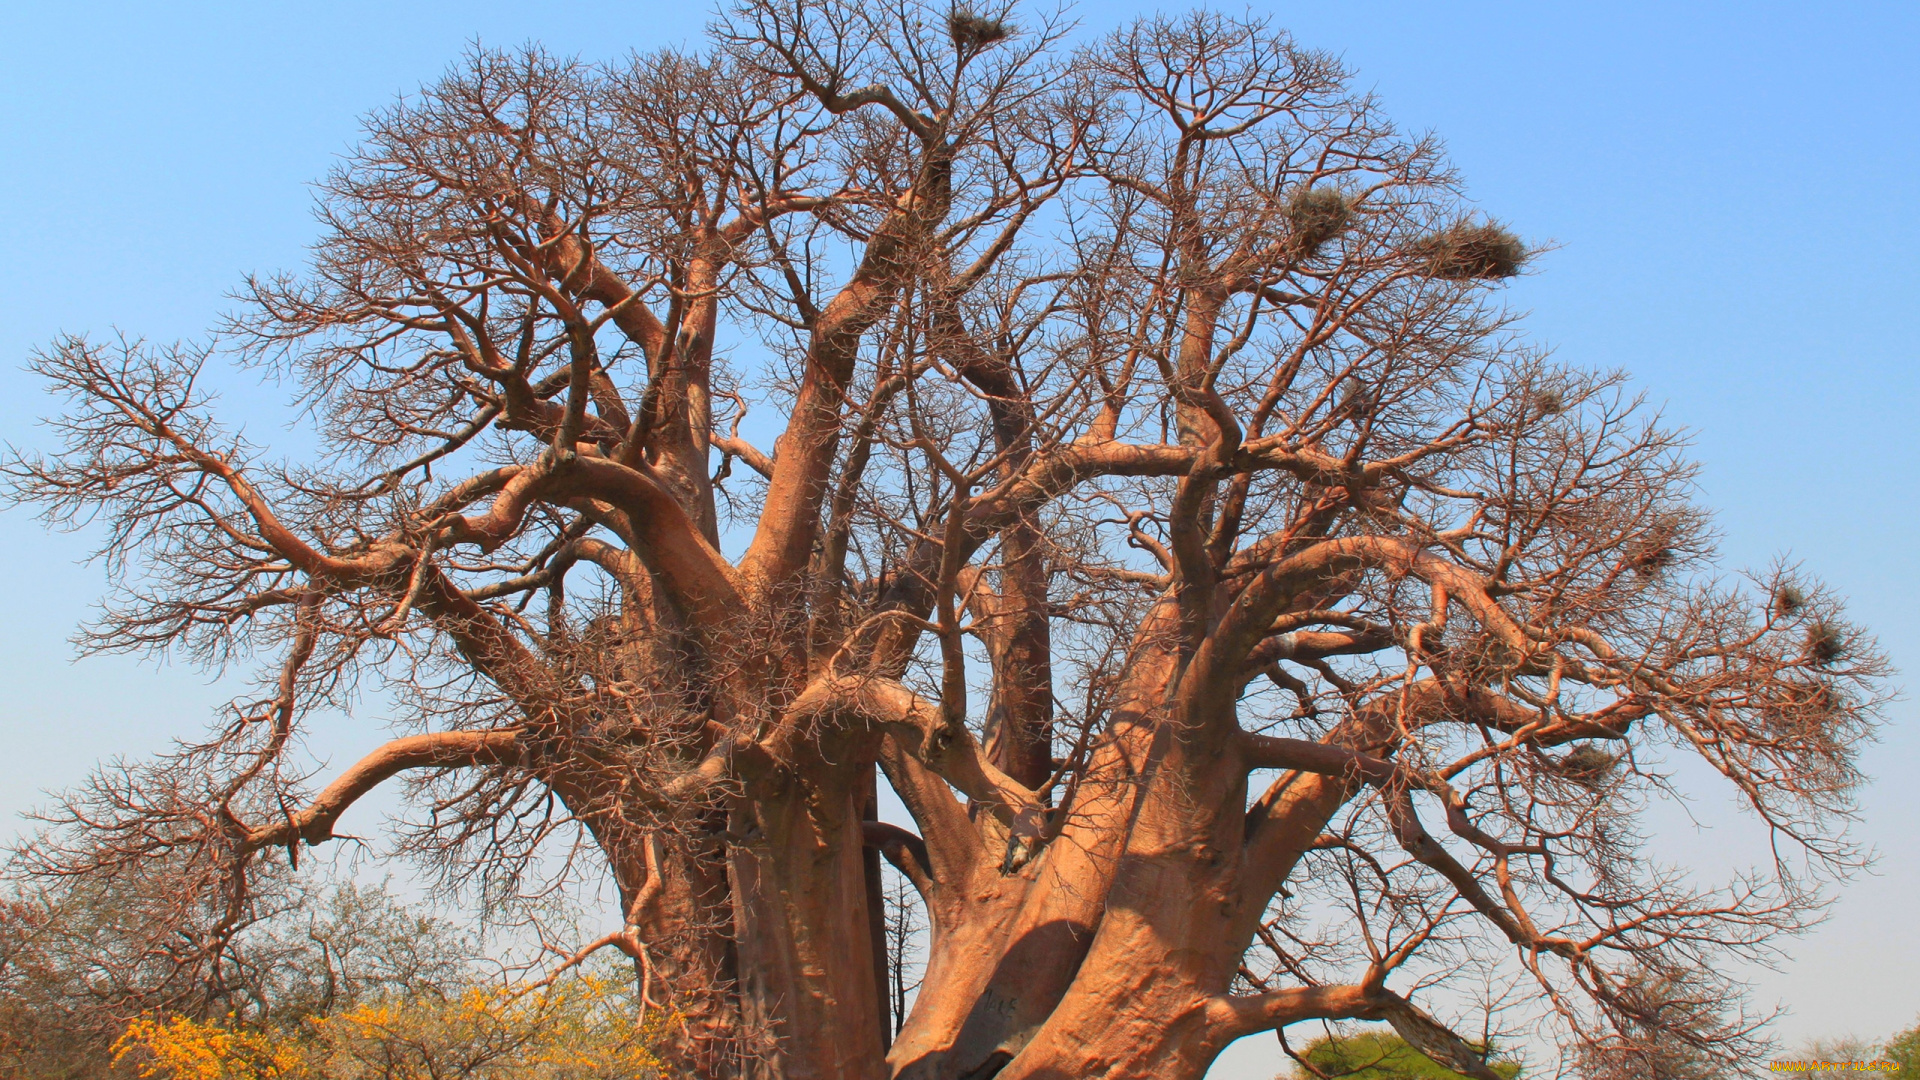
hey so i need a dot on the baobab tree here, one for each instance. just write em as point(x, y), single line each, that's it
point(1159, 499)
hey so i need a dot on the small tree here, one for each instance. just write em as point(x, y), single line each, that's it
point(1372, 1055)
point(904, 927)
point(1160, 499)
point(1904, 1050)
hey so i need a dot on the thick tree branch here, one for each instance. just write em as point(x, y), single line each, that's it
point(438, 750)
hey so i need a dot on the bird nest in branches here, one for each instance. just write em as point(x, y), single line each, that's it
point(1317, 215)
point(1468, 252)
point(971, 32)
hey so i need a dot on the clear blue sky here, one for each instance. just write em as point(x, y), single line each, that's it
point(1732, 189)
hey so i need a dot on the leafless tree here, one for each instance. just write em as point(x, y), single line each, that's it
point(905, 926)
point(1148, 426)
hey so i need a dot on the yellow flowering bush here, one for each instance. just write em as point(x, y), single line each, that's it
point(580, 1029)
point(577, 1030)
point(182, 1048)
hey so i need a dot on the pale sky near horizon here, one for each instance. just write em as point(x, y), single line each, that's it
point(1729, 192)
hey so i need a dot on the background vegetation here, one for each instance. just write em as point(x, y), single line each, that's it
point(339, 981)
